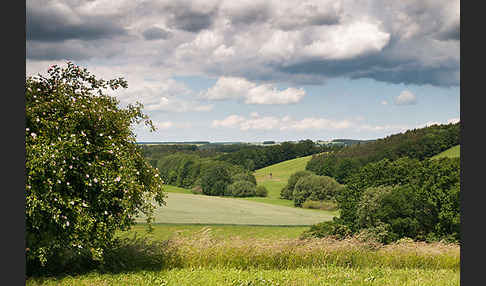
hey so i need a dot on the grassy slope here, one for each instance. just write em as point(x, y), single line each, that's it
point(198, 209)
point(280, 174)
point(452, 152)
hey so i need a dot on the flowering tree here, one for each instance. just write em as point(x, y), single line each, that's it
point(85, 176)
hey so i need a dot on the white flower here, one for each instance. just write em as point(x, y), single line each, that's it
point(72, 203)
point(95, 180)
point(84, 205)
point(38, 89)
point(87, 143)
point(27, 129)
point(67, 223)
point(118, 179)
point(68, 183)
point(101, 134)
point(106, 212)
point(70, 166)
point(37, 119)
point(33, 134)
point(87, 175)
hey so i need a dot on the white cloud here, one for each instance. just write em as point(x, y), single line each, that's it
point(406, 98)
point(453, 120)
point(230, 121)
point(287, 123)
point(251, 93)
point(163, 125)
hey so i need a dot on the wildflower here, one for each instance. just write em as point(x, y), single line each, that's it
point(118, 179)
point(33, 135)
point(106, 212)
point(87, 175)
point(95, 180)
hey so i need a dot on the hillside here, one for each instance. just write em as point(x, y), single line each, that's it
point(417, 144)
point(199, 209)
point(280, 174)
point(452, 152)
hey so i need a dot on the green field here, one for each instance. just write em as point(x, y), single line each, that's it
point(171, 231)
point(452, 152)
point(220, 276)
point(280, 174)
point(199, 209)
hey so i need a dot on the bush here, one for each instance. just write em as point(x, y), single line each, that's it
point(287, 191)
point(261, 191)
point(242, 189)
point(245, 176)
point(316, 188)
point(215, 179)
point(320, 205)
point(85, 176)
point(332, 229)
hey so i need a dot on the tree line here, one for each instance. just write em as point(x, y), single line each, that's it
point(417, 143)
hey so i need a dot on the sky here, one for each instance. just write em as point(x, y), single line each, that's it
point(252, 71)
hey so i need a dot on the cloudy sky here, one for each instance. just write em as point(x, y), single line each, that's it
point(262, 70)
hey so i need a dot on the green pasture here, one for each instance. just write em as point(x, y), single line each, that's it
point(220, 276)
point(452, 152)
point(280, 174)
point(171, 231)
point(200, 209)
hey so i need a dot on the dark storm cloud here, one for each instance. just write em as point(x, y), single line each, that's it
point(155, 33)
point(452, 33)
point(184, 17)
point(49, 25)
point(67, 51)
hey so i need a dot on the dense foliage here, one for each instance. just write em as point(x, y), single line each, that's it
point(256, 157)
point(417, 143)
point(242, 189)
point(156, 152)
point(287, 191)
point(215, 179)
point(315, 188)
point(261, 191)
point(186, 170)
point(85, 176)
point(403, 198)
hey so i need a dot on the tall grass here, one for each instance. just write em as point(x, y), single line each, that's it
point(203, 251)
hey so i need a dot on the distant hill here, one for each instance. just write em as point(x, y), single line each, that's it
point(419, 144)
point(350, 141)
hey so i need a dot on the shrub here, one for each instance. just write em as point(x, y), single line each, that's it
point(215, 179)
point(242, 189)
point(85, 176)
point(319, 205)
point(332, 228)
point(315, 188)
point(245, 176)
point(287, 191)
point(261, 191)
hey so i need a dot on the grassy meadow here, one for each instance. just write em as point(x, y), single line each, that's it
point(205, 259)
point(452, 152)
point(200, 209)
point(280, 174)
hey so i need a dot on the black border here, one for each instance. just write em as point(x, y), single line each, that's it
point(472, 126)
point(13, 117)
